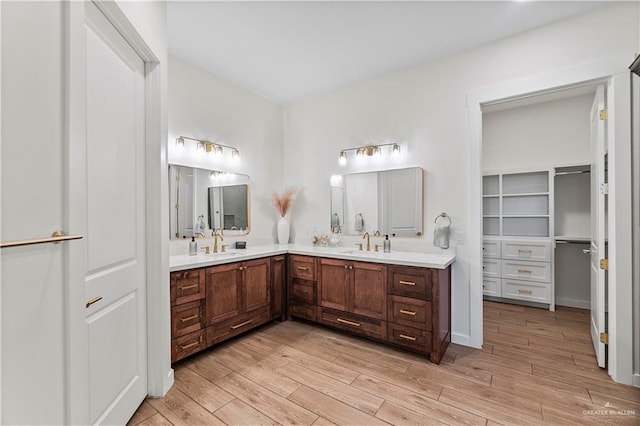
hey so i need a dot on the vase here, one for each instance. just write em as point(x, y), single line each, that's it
point(283, 231)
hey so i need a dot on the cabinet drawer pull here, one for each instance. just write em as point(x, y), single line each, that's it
point(524, 251)
point(187, 287)
point(302, 268)
point(405, 337)
point(344, 321)
point(412, 313)
point(401, 282)
point(192, 317)
point(524, 271)
point(233, 327)
point(92, 301)
point(524, 291)
point(189, 346)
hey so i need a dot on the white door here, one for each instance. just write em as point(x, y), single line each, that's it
point(108, 339)
point(598, 247)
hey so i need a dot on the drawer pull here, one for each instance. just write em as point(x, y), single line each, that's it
point(401, 282)
point(302, 268)
point(412, 313)
point(233, 327)
point(187, 287)
point(192, 317)
point(524, 291)
point(405, 337)
point(524, 271)
point(344, 321)
point(189, 346)
point(524, 251)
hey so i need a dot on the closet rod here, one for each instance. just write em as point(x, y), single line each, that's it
point(573, 173)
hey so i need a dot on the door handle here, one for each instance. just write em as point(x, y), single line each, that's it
point(586, 251)
point(56, 237)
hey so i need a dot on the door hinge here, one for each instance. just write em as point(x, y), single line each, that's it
point(604, 188)
point(604, 338)
point(604, 264)
point(604, 114)
point(177, 206)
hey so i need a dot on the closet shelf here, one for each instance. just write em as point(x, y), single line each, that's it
point(524, 215)
point(526, 194)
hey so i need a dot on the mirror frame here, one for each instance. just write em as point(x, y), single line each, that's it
point(172, 203)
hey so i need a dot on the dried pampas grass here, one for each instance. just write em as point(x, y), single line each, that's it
point(284, 202)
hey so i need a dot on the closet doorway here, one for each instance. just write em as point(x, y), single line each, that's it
point(543, 205)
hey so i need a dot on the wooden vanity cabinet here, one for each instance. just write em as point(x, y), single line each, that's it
point(238, 298)
point(419, 314)
point(209, 305)
point(353, 296)
point(302, 287)
point(278, 287)
point(187, 293)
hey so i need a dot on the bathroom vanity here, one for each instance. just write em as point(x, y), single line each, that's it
point(402, 299)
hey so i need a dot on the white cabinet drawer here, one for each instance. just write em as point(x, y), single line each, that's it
point(539, 251)
point(491, 286)
point(491, 248)
point(526, 290)
point(529, 271)
point(491, 267)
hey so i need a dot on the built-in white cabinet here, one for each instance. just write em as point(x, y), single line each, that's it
point(518, 229)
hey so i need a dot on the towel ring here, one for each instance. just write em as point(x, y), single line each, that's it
point(443, 214)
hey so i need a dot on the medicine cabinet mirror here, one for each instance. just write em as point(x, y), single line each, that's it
point(387, 202)
point(202, 200)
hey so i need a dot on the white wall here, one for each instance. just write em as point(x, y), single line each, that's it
point(204, 106)
point(423, 107)
point(539, 136)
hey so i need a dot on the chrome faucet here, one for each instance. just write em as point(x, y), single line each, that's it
point(366, 235)
point(218, 234)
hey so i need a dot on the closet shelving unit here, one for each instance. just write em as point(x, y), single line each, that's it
point(518, 231)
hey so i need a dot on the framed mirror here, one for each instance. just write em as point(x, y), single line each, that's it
point(388, 202)
point(202, 200)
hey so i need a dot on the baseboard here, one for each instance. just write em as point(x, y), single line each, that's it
point(635, 380)
point(573, 303)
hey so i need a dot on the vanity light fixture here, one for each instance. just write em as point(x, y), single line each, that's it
point(369, 151)
point(209, 147)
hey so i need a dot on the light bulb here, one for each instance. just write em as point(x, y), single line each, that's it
point(343, 158)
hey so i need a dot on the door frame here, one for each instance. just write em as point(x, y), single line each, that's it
point(614, 72)
point(159, 372)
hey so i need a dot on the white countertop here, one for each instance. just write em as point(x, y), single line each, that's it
point(424, 260)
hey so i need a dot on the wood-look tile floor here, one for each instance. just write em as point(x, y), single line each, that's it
point(536, 367)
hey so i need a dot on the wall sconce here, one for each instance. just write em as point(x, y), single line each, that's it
point(209, 147)
point(369, 151)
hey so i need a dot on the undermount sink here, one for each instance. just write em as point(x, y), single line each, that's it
point(362, 252)
point(221, 255)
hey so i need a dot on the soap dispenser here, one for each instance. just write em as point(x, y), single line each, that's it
point(193, 247)
point(387, 244)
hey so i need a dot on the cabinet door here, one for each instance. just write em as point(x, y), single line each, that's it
point(369, 290)
point(334, 284)
point(223, 293)
point(278, 286)
point(255, 284)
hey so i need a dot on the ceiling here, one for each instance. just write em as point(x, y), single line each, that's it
point(289, 50)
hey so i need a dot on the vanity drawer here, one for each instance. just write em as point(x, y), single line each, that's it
point(187, 318)
point(491, 267)
point(304, 310)
point(187, 286)
point(304, 292)
point(364, 326)
point(538, 251)
point(526, 290)
point(491, 248)
point(530, 271)
point(409, 337)
point(302, 267)
point(410, 282)
point(188, 344)
point(491, 286)
point(236, 325)
point(409, 311)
